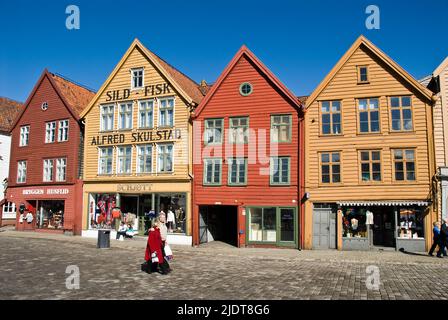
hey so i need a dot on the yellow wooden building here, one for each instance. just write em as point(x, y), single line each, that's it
point(137, 146)
point(369, 156)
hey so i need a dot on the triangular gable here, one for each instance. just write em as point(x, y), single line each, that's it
point(48, 75)
point(161, 66)
point(378, 53)
point(244, 51)
point(441, 67)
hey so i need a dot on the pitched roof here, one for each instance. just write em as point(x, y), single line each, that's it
point(74, 96)
point(9, 110)
point(77, 96)
point(441, 67)
point(362, 41)
point(186, 87)
point(244, 51)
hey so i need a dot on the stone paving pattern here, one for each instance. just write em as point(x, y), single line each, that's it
point(33, 265)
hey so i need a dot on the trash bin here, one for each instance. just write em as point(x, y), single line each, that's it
point(103, 239)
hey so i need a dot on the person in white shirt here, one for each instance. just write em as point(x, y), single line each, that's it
point(29, 217)
point(122, 230)
point(170, 220)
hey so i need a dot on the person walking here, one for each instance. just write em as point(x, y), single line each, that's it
point(153, 254)
point(436, 238)
point(442, 240)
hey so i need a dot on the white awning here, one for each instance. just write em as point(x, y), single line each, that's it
point(383, 203)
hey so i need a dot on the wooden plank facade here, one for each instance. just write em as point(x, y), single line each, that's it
point(45, 156)
point(148, 167)
point(353, 170)
point(236, 199)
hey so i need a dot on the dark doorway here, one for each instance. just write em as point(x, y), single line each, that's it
point(218, 223)
point(383, 227)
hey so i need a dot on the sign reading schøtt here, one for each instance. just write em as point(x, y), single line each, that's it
point(136, 137)
point(134, 187)
point(42, 191)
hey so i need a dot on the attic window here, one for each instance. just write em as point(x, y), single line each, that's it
point(44, 106)
point(363, 74)
point(137, 78)
point(245, 89)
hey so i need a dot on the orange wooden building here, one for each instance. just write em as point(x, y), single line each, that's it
point(247, 159)
point(370, 156)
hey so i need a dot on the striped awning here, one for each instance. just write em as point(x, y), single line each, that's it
point(384, 203)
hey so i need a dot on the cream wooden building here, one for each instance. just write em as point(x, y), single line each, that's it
point(137, 147)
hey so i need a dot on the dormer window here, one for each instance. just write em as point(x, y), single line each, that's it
point(137, 78)
point(363, 74)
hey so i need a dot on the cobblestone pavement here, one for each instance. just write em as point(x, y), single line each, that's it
point(33, 266)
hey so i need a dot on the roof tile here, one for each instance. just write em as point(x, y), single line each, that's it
point(9, 110)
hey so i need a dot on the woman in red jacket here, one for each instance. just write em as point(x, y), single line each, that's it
point(154, 253)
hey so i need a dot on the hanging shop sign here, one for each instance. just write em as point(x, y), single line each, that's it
point(150, 91)
point(136, 137)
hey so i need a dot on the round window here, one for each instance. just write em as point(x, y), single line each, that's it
point(245, 89)
point(44, 106)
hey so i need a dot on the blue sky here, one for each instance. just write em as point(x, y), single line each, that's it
point(299, 41)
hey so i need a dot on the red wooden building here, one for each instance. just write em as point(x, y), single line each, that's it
point(46, 154)
point(247, 159)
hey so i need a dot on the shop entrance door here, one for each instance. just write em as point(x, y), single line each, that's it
point(129, 208)
point(384, 227)
point(218, 223)
point(324, 228)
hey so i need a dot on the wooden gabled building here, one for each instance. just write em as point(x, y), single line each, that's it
point(369, 156)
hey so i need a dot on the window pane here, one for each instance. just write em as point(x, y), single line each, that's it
point(336, 106)
point(287, 224)
point(409, 154)
point(325, 106)
point(365, 156)
point(335, 157)
point(406, 101)
point(325, 169)
point(325, 157)
point(269, 224)
point(255, 228)
point(373, 104)
point(394, 102)
point(376, 155)
point(362, 105)
point(336, 178)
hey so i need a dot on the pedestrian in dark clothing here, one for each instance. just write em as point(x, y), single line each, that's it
point(442, 240)
point(436, 237)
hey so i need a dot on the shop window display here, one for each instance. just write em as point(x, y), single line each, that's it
point(50, 214)
point(354, 223)
point(101, 206)
point(410, 223)
point(263, 224)
point(173, 205)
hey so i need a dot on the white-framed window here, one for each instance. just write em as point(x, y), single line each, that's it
point(146, 114)
point(48, 170)
point(107, 117)
point(21, 171)
point(63, 130)
point(237, 171)
point(61, 169)
point(212, 171)
point(124, 158)
point(50, 132)
point(165, 157)
point(239, 130)
point(105, 160)
point(166, 112)
point(24, 136)
point(9, 210)
point(137, 79)
point(125, 116)
point(281, 128)
point(144, 158)
point(213, 131)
